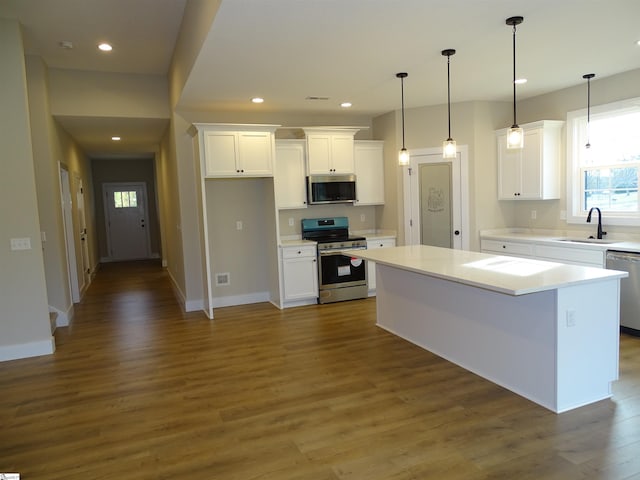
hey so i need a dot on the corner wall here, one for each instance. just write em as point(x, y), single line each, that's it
point(24, 318)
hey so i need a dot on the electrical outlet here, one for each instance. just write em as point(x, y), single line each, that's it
point(362, 217)
point(21, 243)
point(534, 214)
point(563, 214)
point(291, 221)
point(239, 225)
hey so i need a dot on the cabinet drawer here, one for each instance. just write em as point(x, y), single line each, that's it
point(301, 251)
point(385, 243)
point(587, 257)
point(506, 248)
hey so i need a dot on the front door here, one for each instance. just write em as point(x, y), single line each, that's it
point(126, 221)
point(436, 206)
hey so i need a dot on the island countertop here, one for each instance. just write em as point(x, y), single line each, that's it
point(508, 275)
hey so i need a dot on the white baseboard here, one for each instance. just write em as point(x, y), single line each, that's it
point(233, 300)
point(25, 350)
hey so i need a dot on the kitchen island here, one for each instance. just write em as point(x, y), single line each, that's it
point(546, 331)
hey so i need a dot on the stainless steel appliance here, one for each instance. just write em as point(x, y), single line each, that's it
point(341, 276)
point(629, 288)
point(323, 189)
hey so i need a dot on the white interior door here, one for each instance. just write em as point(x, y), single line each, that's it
point(126, 222)
point(436, 199)
point(67, 219)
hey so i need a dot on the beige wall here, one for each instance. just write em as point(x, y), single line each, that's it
point(554, 106)
point(48, 190)
point(102, 94)
point(24, 317)
point(426, 127)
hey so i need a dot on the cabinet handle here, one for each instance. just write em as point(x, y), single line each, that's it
point(299, 252)
point(504, 246)
point(314, 260)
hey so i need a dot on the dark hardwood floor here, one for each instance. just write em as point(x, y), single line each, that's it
point(137, 389)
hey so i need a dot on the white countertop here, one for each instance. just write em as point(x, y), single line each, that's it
point(509, 275)
point(557, 238)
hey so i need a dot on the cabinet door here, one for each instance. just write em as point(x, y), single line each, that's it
point(254, 153)
point(300, 277)
point(531, 166)
point(342, 159)
point(371, 266)
point(289, 177)
point(508, 170)
point(220, 154)
point(369, 169)
point(319, 152)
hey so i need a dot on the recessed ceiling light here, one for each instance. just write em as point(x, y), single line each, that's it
point(638, 42)
point(257, 100)
point(520, 81)
point(115, 139)
point(345, 104)
point(105, 47)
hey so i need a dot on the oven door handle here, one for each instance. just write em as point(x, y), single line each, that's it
point(346, 252)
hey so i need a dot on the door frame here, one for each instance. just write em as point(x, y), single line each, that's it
point(107, 226)
point(460, 176)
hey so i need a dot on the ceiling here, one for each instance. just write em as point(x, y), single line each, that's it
point(341, 50)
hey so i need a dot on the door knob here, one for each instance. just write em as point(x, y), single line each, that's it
point(456, 232)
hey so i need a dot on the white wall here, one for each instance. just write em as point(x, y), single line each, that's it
point(24, 317)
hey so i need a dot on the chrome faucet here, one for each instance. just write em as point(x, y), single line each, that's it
point(600, 232)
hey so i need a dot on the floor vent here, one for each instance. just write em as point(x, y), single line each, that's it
point(223, 279)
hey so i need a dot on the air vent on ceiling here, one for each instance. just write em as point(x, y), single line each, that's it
point(316, 98)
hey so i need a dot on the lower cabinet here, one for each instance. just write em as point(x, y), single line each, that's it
point(371, 266)
point(299, 275)
point(574, 255)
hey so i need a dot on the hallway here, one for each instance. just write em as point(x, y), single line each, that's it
point(138, 390)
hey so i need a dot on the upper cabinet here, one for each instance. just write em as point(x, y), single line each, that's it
point(236, 150)
point(369, 169)
point(289, 177)
point(533, 172)
point(330, 151)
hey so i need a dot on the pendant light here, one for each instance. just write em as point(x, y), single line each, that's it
point(515, 136)
point(588, 78)
point(403, 157)
point(449, 145)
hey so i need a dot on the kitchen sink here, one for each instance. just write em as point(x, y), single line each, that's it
point(586, 240)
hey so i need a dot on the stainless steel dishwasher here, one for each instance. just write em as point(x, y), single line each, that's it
point(629, 288)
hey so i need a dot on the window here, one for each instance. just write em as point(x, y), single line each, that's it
point(125, 199)
point(606, 174)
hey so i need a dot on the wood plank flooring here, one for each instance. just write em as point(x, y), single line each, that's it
point(137, 389)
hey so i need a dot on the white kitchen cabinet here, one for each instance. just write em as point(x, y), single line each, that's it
point(299, 274)
point(330, 152)
point(533, 172)
point(371, 266)
point(289, 176)
point(499, 247)
point(237, 150)
point(369, 169)
point(574, 255)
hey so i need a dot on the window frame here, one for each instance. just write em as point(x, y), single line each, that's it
point(576, 129)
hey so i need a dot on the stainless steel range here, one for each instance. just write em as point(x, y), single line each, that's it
point(341, 276)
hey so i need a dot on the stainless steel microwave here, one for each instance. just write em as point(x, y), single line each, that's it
point(331, 189)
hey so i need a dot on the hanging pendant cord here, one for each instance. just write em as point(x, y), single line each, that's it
point(514, 76)
point(402, 95)
point(449, 95)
